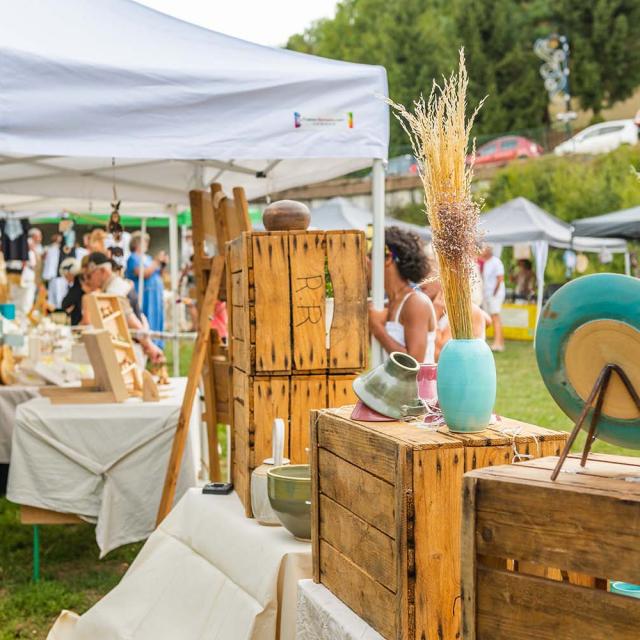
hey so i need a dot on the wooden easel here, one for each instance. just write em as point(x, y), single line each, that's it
point(215, 219)
point(109, 384)
point(105, 312)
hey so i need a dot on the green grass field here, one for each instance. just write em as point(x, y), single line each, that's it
point(73, 577)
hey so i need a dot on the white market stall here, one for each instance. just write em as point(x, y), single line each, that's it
point(341, 213)
point(100, 93)
point(522, 221)
point(618, 224)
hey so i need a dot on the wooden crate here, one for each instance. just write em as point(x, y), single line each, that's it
point(277, 302)
point(587, 522)
point(386, 515)
point(258, 400)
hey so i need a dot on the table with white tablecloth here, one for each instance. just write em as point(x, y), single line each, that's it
point(321, 615)
point(206, 572)
point(10, 397)
point(103, 462)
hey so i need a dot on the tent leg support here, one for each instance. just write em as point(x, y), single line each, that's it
point(36, 553)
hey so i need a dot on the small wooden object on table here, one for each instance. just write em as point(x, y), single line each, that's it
point(586, 522)
point(106, 312)
point(108, 384)
point(297, 305)
point(386, 514)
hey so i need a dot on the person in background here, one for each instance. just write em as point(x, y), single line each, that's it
point(408, 323)
point(52, 258)
point(35, 237)
point(152, 297)
point(494, 292)
point(102, 278)
point(524, 280)
point(71, 303)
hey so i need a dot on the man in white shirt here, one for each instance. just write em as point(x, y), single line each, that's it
point(493, 290)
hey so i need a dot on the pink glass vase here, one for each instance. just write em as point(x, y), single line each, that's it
point(427, 387)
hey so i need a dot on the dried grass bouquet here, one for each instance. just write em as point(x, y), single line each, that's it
point(439, 131)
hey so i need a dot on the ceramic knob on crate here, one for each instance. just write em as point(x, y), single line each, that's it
point(286, 215)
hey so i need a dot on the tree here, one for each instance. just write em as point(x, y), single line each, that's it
point(413, 39)
point(604, 36)
point(498, 38)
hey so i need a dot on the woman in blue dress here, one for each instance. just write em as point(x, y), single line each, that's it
point(152, 300)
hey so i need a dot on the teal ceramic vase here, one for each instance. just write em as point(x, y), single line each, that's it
point(392, 388)
point(466, 385)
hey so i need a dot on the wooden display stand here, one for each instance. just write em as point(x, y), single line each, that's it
point(109, 382)
point(586, 522)
point(287, 358)
point(386, 514)
point(105, 312)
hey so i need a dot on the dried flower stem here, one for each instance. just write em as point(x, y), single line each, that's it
point(439, 132)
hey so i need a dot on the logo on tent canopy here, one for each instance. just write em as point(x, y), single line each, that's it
point(300, 121)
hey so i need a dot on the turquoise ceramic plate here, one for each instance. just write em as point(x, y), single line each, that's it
point(586, 324)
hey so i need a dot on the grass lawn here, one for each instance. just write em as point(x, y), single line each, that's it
point(73, 577)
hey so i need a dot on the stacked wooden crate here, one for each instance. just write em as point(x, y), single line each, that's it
point(386, 514)
point(297, 304)
point(586, 523)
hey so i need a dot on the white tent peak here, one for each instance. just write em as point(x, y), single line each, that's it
point(178, 106)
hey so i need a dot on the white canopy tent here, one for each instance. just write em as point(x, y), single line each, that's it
point(341, 213)
point(624, 224)
point(102, 93)
point(522, 221)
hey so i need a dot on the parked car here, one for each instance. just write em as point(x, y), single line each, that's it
point(402, 166)
point(600, 138)
point(505, 149)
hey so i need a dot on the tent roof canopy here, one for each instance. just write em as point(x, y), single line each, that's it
point(177, 105)
point(520, 220)
point(621, 224)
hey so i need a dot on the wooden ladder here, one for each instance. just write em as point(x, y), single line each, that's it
point(215, 220)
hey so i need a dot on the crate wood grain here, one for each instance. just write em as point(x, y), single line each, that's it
point(259, 400)
point(278, 302)
point(587, 523)
point(387, 510)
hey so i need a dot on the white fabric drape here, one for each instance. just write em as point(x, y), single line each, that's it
point(541, 253)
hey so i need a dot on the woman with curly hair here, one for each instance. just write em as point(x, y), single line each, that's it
point(408, 322)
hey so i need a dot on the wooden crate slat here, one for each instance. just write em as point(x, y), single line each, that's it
point(360, 447)
point(365, 495)
point(480, 457)
point(357, 590)
point(341, 391)
point(372, 550)
point(437, 486)
point(507, 528)
point(349, 340)
point(306, 263)
point(307, 393)
point(270, 401)
point(273, 302)
point(517, 607)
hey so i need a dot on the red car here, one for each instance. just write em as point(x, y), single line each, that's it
point(505, 149)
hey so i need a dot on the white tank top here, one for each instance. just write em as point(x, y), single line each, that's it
point(396, 330)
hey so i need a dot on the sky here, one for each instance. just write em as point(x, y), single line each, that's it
point(268, 22)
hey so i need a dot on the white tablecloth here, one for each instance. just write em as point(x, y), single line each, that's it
point(10, 398)
point(322, 616)
point(206, 572)
point(103, 462)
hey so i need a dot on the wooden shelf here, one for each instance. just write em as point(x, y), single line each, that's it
point(112, 316)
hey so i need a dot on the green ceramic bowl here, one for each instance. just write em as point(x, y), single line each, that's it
point(289, 488)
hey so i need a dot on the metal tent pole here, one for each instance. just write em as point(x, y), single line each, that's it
point(173, 270)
